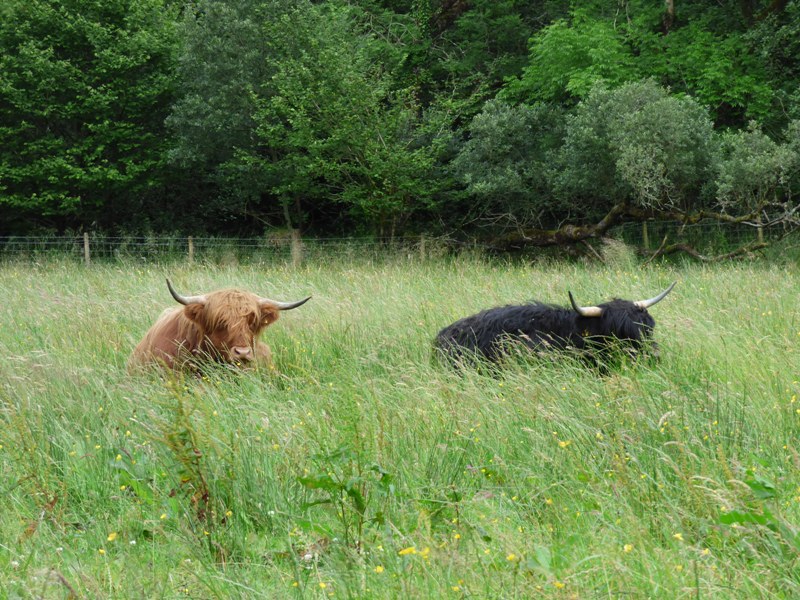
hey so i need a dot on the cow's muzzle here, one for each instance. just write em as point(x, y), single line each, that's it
point(242, 354)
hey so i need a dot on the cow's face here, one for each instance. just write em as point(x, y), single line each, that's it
point(622, 320)
point(230, 321)
point(627, 322)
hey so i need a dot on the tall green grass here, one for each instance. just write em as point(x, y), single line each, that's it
point(362, 468)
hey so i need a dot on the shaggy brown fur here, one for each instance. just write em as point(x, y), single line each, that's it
point(225, 328)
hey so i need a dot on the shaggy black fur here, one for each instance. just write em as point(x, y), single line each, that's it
point(544, 327)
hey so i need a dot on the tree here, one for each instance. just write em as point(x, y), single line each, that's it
point(756, 174)
point(336, 129)
point(640, 145)
point(223, 67)
point(84, 88)
point(777, 39)
point(697, 49)
point(292, 110)
point(473, 47)
point(505, 165)
point(568, 58)
point(638, 153)
point(720, 69)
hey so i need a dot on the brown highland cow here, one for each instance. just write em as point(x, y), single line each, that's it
point(221, 326)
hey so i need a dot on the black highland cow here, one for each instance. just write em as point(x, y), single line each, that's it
point(591, 330)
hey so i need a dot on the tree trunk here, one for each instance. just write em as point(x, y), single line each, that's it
point(571, 234)
point(669, 15)
point(287, 215)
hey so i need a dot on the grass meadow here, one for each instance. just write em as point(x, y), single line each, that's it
point(363, 469)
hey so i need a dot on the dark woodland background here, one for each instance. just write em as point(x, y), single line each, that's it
point(515, 121)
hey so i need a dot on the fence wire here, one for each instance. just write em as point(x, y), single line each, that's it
point(705, 237)
point(220, 250)
point(710, 236)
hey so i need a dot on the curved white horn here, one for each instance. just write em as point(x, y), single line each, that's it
point(185, 300)
point(654, 299)
point(585, 311)
point(283, 305)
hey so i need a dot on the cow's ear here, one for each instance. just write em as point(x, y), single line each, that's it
point(269, 314)
point(194, 312)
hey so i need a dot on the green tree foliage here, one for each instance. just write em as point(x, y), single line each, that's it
point(568, 58)
point(640, 144)
point(291, 111)
point(506, 165)
point(472, 47)
point(336, 127)
point(223, 67)
point(722, 71)
point(756, 173)
point(716, 63)
point(776, 39)
point(385, 116)
point(531, 166)
point(84, 89)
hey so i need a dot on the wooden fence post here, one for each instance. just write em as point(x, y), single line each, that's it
point(86, 255)
point(297, 248)
point(191, 249)
point(645, 236)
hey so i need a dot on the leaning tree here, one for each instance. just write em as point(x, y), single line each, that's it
point(634, 153)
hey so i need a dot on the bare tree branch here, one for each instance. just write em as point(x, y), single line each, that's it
point(593, 251)
point(566, 234)
point(691, 251)
point(623, 212)
point(657, 252)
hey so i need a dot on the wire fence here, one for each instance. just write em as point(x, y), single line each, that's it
point(712, 237)
point(709, 236)
point(91, 247)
